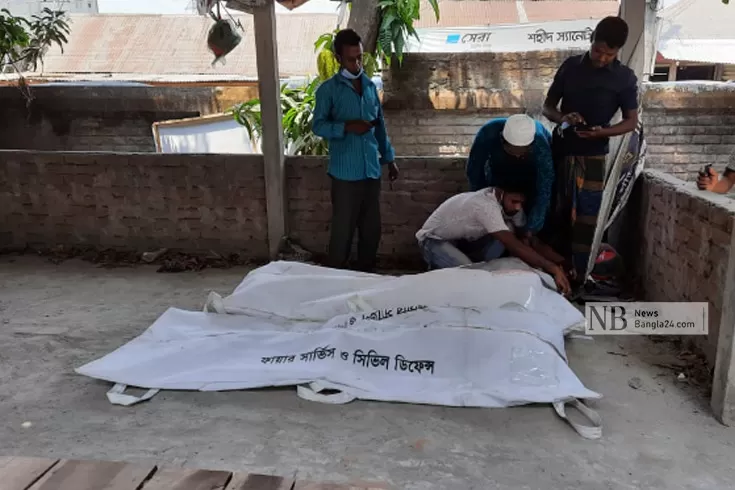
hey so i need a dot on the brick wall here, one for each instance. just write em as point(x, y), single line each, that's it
point(133, 201)
point(435, 103)
point(689, 126)
point(103, 118)
point(424, 184)
point(683, 239)
point(196, 202)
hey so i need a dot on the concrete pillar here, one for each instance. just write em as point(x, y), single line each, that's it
point(269, 87)
point(723, 384)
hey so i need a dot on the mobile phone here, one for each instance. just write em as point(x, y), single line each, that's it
point(582, 127)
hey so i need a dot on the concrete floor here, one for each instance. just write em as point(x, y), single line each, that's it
point(54, 318)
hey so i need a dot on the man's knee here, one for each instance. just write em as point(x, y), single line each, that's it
point(442, 254)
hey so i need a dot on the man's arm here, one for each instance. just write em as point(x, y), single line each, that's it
point(528, 255)
point(714, 183)
point(554, 95)
point(544, 183)
point(628, 100)
point(387, 153)
point(479, 154)
point(323, 125)
point(627, 125)
point(546, 251)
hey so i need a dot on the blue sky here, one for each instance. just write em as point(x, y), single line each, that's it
point(180, 7)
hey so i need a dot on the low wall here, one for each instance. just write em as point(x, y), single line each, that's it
point(134, 201)
point(689, 125)
point(435, 103)
point(196, 202)
point(102, 117)
point(424, 183)
point(684, 241)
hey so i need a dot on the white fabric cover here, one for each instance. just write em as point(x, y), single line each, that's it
point(484, 339)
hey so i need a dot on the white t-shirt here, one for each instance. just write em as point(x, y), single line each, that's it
point(469, 216)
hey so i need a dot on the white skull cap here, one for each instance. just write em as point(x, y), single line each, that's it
point(519, 130)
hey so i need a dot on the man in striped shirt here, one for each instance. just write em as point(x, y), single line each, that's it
point(348, 114)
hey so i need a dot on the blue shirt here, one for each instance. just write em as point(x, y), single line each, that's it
point(487, 153)
point(597, 94)
point(352, 156)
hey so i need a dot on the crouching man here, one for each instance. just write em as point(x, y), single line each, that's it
point(481, 226)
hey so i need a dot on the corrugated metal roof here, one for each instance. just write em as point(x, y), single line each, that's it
point(133, 78)
point(470, 13)
point(698, 30)
point(177, 44)
point(168, 45)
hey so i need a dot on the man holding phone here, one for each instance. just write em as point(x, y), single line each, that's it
point(591, 88)
point(348, 114)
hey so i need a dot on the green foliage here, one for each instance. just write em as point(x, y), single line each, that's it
point(397, 18)
point(24, 42)
point(297, 105)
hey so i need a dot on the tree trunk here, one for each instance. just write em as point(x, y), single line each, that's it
point(365, 20)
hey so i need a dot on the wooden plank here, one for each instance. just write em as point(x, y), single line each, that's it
point(21, 473)
point(93, 475)
point(249, 481)
point(185, 479)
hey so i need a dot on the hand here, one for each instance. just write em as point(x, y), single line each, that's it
point(562, 283)
point(592, 133)
point(358, 127)
point(708, 182)
point(392, 171)
point(573, 118)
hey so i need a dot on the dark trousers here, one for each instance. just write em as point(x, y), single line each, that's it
point(355, 206)
point(579, 184)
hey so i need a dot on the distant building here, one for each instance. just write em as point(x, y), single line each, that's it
point(697, 42)
point(27, 8)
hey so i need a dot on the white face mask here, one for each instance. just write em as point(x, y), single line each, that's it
point(351, 76)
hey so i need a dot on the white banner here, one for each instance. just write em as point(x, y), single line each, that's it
point(561, 35)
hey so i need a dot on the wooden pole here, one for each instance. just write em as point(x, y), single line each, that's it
point(269, 86)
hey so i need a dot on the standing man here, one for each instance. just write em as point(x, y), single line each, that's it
point(519, 145)
point(349, 116)
point(591, 88)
